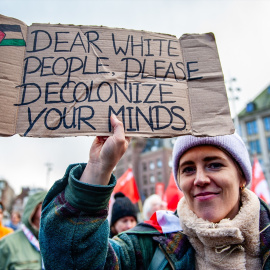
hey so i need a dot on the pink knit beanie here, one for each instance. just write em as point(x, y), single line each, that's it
point(231, 143)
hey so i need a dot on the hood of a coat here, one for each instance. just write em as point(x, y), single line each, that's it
point(30, 208)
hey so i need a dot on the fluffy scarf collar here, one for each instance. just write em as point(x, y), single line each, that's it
point(229, 244)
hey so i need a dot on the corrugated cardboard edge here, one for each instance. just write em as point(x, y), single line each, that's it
point(205, 119)
point(9, 93)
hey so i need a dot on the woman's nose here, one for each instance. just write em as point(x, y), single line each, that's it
point(201, 178)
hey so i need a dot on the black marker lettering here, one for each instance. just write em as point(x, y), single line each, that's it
point(91, 41)
point(148, 121)
point(45, 67)
point(64, 64)
point(26, 66)
point(77, 44)
point(33, 85)
point(157, 109)
point(47, 93)
point(166, 93)
point(59, 119)
point(59, 42)
point(179, 116)
point(103, 91)
point(149, 94)
point(31, 124)
point(44, 36)
point(116, 51)
point(73, 124)
point(136, 45)
point(112, 111)
point(84, 119)
point(192, 70)
point(172, 48)
point(130, 119)
point(148, 47)
point(81, 94)
point(129, 99)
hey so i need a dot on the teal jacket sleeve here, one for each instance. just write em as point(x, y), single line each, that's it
point(74, 232)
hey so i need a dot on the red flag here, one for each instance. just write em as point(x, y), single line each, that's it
point(160, 187)
point(127, 184)
point(172, 194)
point(259, 185)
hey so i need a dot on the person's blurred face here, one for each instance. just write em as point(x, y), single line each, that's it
point(210, 181)
point(1, 215)
point(15, 219)
point(156, 205)
point(37, 215)
point(124, 224)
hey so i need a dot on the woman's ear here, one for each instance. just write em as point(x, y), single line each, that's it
point(242, 183)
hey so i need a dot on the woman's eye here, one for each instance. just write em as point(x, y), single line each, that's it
point(215, 165)
point(188, 170)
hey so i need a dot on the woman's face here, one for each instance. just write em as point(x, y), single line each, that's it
point(124, 224)
point(210, 181)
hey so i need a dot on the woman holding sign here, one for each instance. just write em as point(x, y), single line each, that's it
point(220, 223)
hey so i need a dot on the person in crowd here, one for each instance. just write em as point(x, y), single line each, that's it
point(20, 250)
point(3, 229)
point(124, 214)
point(152, 204)
point(220, 223)
point(15, 221)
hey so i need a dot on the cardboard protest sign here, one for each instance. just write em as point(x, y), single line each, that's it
point(66, 80)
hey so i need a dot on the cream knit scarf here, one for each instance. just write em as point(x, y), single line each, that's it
point(229, 244)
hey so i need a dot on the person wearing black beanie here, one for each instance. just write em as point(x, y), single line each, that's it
point(124, 214)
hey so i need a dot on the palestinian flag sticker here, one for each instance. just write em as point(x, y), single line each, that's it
point(11, 35)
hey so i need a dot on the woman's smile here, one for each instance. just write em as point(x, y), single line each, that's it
point(205, 196)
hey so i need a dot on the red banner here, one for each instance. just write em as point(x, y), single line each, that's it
point(127, 184)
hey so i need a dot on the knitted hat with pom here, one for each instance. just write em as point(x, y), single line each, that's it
point(233, 144)
point(122, 207)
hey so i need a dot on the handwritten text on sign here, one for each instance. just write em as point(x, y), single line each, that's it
point(73, 77)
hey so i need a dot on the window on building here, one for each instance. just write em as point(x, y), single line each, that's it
point(152, 190)
point(159, 177)
point(170, 162)
point(266, 121)
point(151, 165)
point(144, 166)
point(145, 180)
point(152, 179)
point(252, 127)
point(159, 163)
point(268, 143)
point(255, 147)
point(250, 107)
point(145, 193)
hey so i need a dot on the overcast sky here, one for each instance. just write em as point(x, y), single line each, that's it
point(241, 28)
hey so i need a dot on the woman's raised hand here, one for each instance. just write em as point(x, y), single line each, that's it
point(104, 154)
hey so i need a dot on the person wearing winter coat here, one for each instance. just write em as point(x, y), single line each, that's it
point(20, 250)
point(124, 214)
point(219, 223)
point(4, 230)
point(15, 221)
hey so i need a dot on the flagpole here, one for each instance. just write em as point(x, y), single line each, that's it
point(140, 205)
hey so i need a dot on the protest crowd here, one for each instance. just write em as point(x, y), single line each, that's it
point(211, 214)
point(219, 223)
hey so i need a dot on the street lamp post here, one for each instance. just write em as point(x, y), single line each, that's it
point(49, 169)
point(233, 98)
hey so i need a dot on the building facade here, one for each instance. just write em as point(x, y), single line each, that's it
point(254, 124)
point(150, 160)
point(7, 194)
